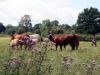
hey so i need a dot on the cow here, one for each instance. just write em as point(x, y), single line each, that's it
point(65, 39)
point(14, 44)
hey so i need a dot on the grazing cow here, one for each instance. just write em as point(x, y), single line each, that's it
point(20, 38)
point(65, 39)
point(73, 41)
point(35, 36)
point(27, 42)
point(17, 36)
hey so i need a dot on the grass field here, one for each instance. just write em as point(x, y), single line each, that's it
point(47, 61)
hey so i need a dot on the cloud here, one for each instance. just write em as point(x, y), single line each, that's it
point(61, 10)
point(2, 0)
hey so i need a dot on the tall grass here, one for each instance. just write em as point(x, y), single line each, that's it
point(47, 61)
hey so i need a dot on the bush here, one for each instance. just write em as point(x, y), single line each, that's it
point(85, 37)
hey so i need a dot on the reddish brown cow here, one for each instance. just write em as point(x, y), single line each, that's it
point(65, 39)
point(19, 37)
point(73, 41)
point(24, 40)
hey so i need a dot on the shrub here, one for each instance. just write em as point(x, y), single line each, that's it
point(88, 37)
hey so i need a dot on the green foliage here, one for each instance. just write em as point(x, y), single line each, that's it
point(21, 29)
point(47, 61)
point(2, 27)
point(25, 62)
point(37, 28)
point(88, 22)
point(10, 29)
point(57, 30)
point(88, 37)
point(54, 23)
point(52, 26)
point(84, 37)
point(26, 22)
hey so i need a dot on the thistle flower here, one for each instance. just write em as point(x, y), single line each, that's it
point(93, 62)
point(14, 61)
point(90, 67)
point(99, 66)
point(67, 62)
point(67, 65)
point(35, 50)
point(65, 58)
point(44, 44)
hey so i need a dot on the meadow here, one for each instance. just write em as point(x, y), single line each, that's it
point(45, 60)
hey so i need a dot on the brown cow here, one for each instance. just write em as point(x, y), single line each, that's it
point(65, 39)
point(14, 44)
point(19, 37)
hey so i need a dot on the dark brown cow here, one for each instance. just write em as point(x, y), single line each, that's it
point(65, 39)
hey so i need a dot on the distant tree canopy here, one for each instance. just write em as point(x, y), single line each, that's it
point(2, 27)
point(26, 23)
point(53, 26)
point(10, 29)
point(88, 21)
point(37, 28)
point(21, 29)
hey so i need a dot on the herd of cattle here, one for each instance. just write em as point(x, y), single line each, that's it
point(28, 41)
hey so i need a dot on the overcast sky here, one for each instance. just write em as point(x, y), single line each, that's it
point(65, 11)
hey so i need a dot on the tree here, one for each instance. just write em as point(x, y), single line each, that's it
point(26, 21)
point(45, 27)
point(65, 28)
point(54, 23)
point(2, 27)
point(21, 29)
point(87, 21)
point(57, 30)
point(10, 29)
point(37, 29)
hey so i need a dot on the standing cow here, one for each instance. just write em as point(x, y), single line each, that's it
point(65, 39)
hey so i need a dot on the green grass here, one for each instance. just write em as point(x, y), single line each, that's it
point(85, 54)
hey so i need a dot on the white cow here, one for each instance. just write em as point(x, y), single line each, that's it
point(35, 38)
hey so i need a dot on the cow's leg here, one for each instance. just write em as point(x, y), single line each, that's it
point(77, 47)
point(64, 46)
point(77, 44)
point(73, 46)
point(56, 46)
point(61, 47)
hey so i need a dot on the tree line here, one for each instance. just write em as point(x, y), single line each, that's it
point(88, 22)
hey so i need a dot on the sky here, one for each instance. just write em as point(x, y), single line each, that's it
point(65, 11)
